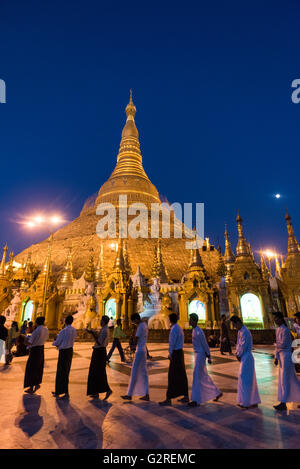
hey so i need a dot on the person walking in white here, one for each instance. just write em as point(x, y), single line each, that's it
point(35, 363)
point(138, 384)
point(247, 396)
point(64, 342)
point(288, 383)
point(203, 388)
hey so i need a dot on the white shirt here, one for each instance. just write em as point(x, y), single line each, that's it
point(283, 340)
point(65, 338)
point(142, 334)
point(244, 342)
point(176, 338)
point(199, 341)
point(39, 336)
point(102, 340)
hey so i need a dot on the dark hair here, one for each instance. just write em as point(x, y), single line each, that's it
point(119, 322)
point(69, 319)
point(135, 317)
point(279, 315)
point(297, 315)
point(194, 317)
point(105, 319)
point(2, 320)
point(173, 318)
point(30, 323)
point(235, 319)
point(15, 324)
point(40, 320)
point(223, 316)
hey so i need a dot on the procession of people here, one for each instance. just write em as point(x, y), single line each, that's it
point(203, 388)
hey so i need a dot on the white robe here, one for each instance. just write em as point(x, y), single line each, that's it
point(203, 388)
point(2, 351)
point(247, 386)
point(138, 384)
point(288, 383)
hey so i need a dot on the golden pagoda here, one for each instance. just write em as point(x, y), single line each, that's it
point(78, 286)
point(247, 286)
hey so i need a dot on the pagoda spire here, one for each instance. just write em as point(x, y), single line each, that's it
point(89, 274)
point(2, 265)
point(221, 269)
point(278, 267)
point(126, 258)
point(47, 266)
point(293, 245)
point(264, 269)
point(196, 260)
point(119, 264)
point(158, 267)
point(129, 176)
point(10, 268)
point(67, 276)
point(99, 273)
point(229, 257)
point(242, 249)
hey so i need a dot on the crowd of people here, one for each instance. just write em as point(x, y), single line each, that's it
point(203, 387)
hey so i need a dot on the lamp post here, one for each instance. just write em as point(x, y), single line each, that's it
point(40, 221)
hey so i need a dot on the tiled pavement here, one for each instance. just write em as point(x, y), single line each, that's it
point(40, 421)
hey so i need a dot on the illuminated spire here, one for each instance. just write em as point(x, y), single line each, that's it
point(126, 258)
point(47, 265)
point(129, 176)
point(67, 276)
point(242, 249)
point(264, 269)
point(119, 264)
point(10, 268)
point(278, 267)
point(99, 273)
point(229, 257)
point(221, 269)
point(89, 274)
point(158, 267)
point(2, 265)
point(293, 246)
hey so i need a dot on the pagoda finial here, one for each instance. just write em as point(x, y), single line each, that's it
point(130, 108)
point(278, 267)
point(158, 268)
point(264, 269)
point(2, 265)
point(126, 258)
point(89, 274)
point(67, 276)
point(119, 261)
point(99, 274)
point(242, 248)
point(293, 246)
point(229, 257)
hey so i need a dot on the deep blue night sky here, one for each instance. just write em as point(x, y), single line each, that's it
point(212, 85)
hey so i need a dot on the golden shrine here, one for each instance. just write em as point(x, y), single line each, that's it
point(76, 272)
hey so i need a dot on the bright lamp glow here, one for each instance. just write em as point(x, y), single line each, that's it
point(55, 220)
point(277, 196)
point(270, 253)
point(30, 224)
point(39, 219)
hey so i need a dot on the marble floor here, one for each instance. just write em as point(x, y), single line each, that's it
point(40, 421)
